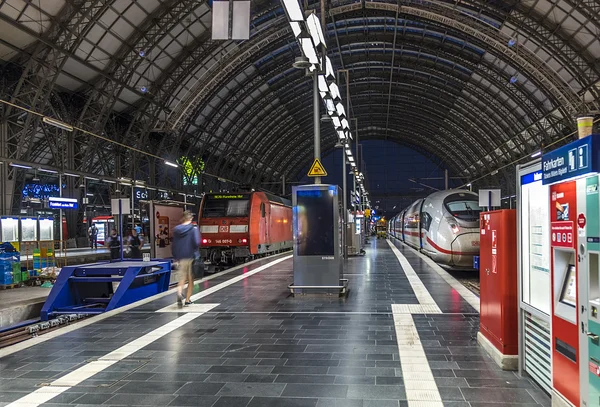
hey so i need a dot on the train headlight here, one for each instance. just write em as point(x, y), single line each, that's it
point(244, 240)
point(204, 241)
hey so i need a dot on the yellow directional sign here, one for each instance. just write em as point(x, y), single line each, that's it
point(317, 169)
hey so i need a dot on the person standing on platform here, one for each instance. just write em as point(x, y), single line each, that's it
point(185, 245)
point(135, 245)
point(93, 234)
point(114, 244)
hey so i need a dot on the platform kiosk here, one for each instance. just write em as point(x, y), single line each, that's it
point(572, 174)
point(317, 226)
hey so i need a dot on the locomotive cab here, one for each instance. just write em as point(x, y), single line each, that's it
point(237, 227)
point(462, 218)
point(224, 228)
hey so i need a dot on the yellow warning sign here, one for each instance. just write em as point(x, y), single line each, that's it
point(317, 169)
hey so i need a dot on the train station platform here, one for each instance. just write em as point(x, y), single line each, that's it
point(24, 303)
point(404, 336)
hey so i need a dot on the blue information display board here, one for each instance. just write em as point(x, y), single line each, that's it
point(62, 203)
point(575, 159)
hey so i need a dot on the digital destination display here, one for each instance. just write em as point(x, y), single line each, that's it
point(62, 203)
point(235, 196)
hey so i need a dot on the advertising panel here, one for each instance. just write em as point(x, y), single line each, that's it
point(535, 241)
point(162, 223)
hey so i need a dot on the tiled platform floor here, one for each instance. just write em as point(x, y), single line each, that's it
point(261, 347)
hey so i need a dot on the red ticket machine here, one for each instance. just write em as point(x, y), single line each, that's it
point(498, 291)
point(564, 270)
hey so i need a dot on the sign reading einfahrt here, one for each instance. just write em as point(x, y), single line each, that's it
point(575, 159)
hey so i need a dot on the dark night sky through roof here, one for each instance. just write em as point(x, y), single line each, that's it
point(389, 166)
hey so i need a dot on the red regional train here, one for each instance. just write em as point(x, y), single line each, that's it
point(237, 227)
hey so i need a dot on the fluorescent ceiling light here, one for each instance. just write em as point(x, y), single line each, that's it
point(329, 68)
point(323, 85)
point(48, 171)
point(345, 124)
point(353, 164)
point(536, 154)
point(314, 29)
point(336, 121)
point(349, 134)
point(57, 123)
point(292, 7)
point(68, 174)
point(335, 91)
point(92, 178)
point(151, 189)
point(308, 49)
point(296, 28)
point(341, 134)
point(89, 194)
point(171, 164)
point(350, 158)
point(348, 151)
point(109, 181)
point(330, 106)
point(340, 109)
point(27, 167)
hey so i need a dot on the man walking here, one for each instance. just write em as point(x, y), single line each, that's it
point(93, 233)
point(186, 241)
point(114, 244)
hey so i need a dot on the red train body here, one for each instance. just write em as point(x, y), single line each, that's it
point(236, 227)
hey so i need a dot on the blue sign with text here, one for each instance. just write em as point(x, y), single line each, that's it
point(62, 203)
point(575, 159)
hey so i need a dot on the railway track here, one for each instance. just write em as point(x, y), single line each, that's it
point(32, 329)
point(469, 279)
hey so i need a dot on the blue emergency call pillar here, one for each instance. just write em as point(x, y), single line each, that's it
point(318, 253)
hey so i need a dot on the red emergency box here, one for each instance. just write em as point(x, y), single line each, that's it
point(498, 279)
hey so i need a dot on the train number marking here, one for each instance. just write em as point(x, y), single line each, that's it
point(223, 241)
point(223, 229)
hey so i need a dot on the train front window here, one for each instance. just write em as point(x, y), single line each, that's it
point(463, 207)
point(223, 208)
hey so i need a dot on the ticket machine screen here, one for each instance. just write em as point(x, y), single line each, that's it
point(569, 289)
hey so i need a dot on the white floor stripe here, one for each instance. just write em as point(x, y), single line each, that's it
point(86, 322)
point(419, 383)
point(44, 394)
point(211, 290)
point(421, 388)
point(425, 299)
point(464, 292)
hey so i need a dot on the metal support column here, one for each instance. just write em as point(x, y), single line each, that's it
point(446, 179)
point(344, 206)
point(317, 119)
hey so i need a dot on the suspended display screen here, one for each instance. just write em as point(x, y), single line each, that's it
point(315, 223)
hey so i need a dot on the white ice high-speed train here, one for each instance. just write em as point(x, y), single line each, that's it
point(444, 226)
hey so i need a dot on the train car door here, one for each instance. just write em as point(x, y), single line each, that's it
point(402, 226)
point(262, 228)
point(420, 223)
